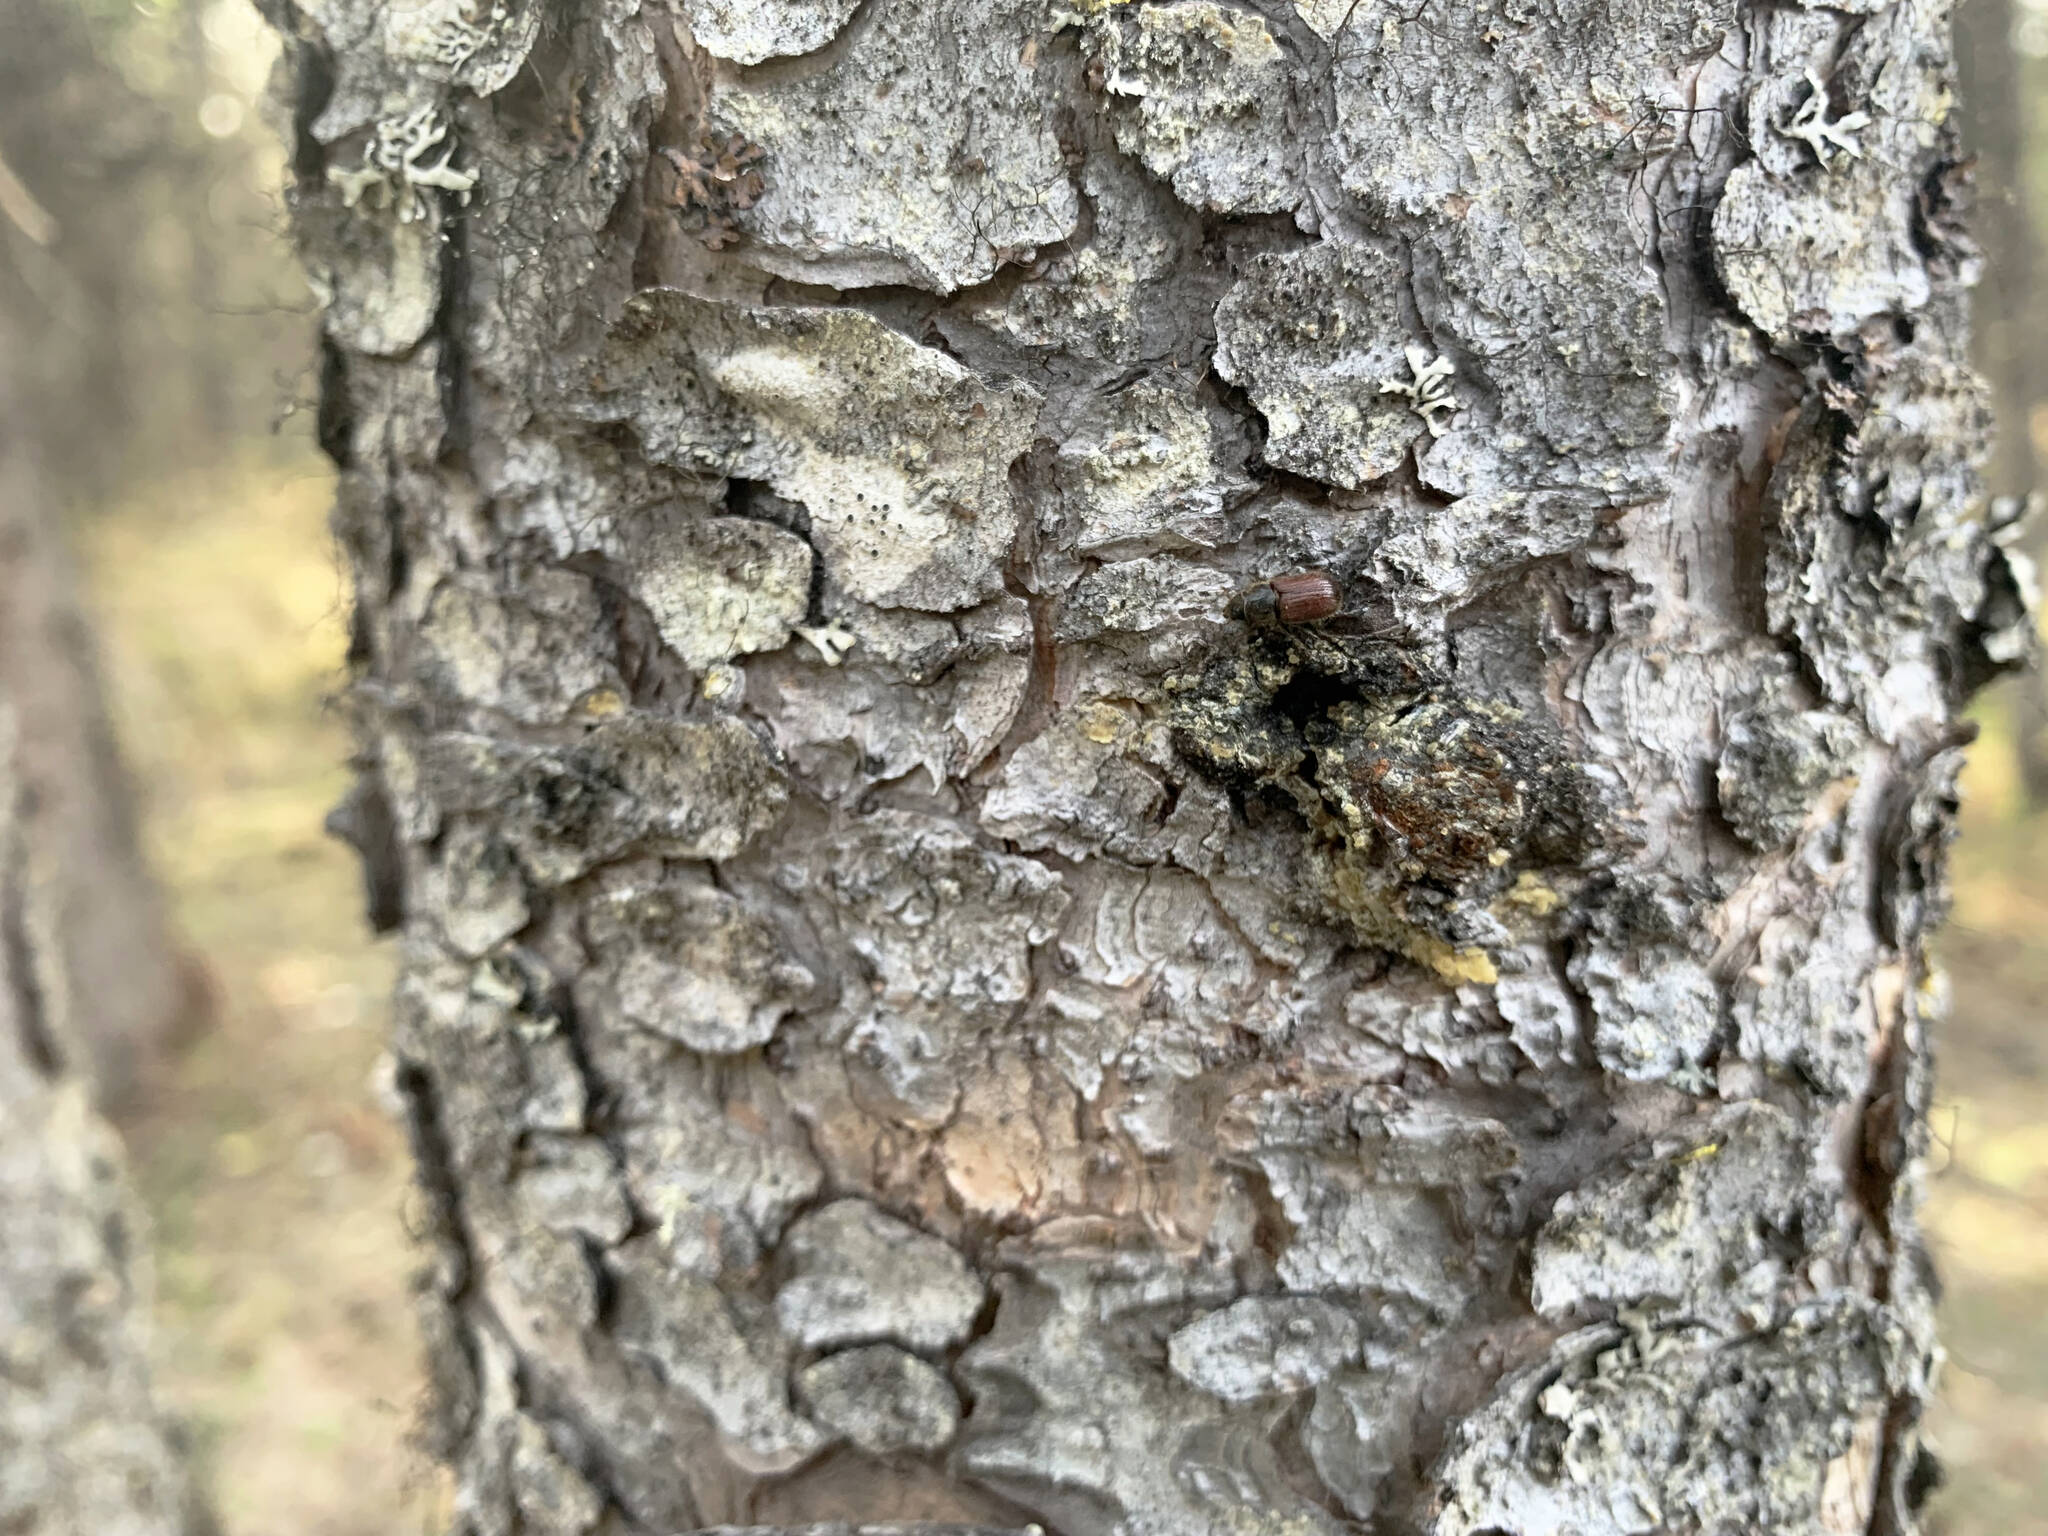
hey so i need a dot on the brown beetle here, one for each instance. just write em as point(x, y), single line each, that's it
point(1304, 597)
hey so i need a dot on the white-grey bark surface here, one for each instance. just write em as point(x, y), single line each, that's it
point(915, 1008)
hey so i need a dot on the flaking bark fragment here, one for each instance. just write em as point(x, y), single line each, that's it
point(883, 1399)
point(926, 158)
point(899, 453)
point(859, 1275)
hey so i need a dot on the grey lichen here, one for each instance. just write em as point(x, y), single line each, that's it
point(720, 587)
point(571, 1184)
point(927, 159)
point(1799, 259)
point(478, 45)
point(1264, 1346)
point(882, 1399)
point(748, 33)
point(1140, 472)
point(1445, 554)
point(858, 1275)
point(1110, 296)
point(934, 985)
point(689, 790)
point(1380, 1200)
point(1515, 242)
point(1207, 94)
point(1312, 336)
point(1714, 1226)
point(1909, 555)
point(1602, 1436)
point(718, 1189)
point(1820, 249)
point(819, 404)
point(1076, 789)
point(735, 1368)
point(1361, 1427)
point(856, 729)
point(1069, 1411)
point(550, 1497)
point(1134, 596)
point(485, 646)
point(694, 964)
point(476, 889)
point(1657, 1013)
point(1776, 757)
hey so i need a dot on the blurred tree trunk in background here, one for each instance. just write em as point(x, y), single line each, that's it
point(931, 996)
point(146, 314)
point(129, 995)
point(1993, 122)
point(77, 141)
point(213, 366)
point(85, 983)
point(1995, 126)
point(112, 270)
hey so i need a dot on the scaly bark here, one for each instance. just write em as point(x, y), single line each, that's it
point(916, 1006)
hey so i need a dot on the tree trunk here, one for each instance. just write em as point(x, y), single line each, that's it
point(129, 999)
point(1994, 126)
point(83, 1451)
point(933, 995)
point(1994, 129)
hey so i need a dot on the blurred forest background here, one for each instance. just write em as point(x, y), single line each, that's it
point(162, 344)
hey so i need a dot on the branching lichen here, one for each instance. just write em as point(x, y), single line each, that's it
point(1427, 388)
point(1809, 124)
point(396, 170)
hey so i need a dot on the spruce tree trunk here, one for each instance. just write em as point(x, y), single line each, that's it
point(931, 995)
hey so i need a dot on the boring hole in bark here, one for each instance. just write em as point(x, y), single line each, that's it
point(1308, 697)
point(739, 496)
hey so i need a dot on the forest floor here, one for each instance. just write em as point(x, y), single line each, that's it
point(276, 1175)
point(1987, 1187)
